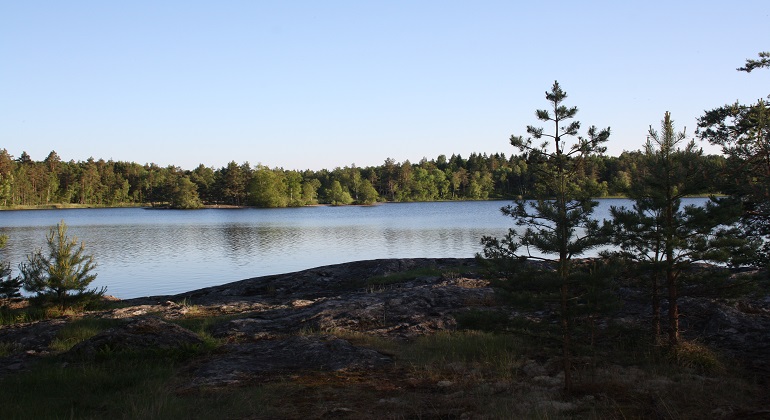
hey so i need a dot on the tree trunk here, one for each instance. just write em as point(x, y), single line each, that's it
point(656, 305)
point(566, 339)
point(673, 309)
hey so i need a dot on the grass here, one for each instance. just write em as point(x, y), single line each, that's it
point(19, 313)
point(11, 316)
point(494, 366)
point(121, 387)
point(467, 355)
point(80, 330)
point(122, 384)
point(443, 375)
point(695, 356)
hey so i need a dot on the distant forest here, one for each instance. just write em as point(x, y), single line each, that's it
point(26, 182)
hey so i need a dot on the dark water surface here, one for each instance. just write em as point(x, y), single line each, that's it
point(143, 252)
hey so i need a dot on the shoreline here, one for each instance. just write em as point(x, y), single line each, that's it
point(149, 206)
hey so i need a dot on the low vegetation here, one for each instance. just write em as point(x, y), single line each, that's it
point(487, 368)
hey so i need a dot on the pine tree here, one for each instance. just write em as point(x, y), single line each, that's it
point(558, 224)
point(63, 273)
point(663, 237)
point(743, 132)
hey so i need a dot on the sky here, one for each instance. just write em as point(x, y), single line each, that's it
point(325, 84)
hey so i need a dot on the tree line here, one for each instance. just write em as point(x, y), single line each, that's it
point(26, 182)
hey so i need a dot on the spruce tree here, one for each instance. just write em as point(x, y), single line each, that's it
point(558, 224)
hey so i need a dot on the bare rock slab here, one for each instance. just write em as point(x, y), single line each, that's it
point(142, 334)
point(26, 343)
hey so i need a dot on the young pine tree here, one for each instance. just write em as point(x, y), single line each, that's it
point(662, 237)
point(558, 223)
point(63, 273)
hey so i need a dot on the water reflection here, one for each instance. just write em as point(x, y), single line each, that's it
point(141, 252)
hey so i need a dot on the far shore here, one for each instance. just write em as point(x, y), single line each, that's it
point(75, 206)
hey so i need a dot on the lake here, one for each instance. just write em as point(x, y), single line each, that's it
point(141, 252)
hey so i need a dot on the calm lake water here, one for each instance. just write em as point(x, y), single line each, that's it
point(143, 252)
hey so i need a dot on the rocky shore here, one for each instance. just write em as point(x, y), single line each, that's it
point(277, 326)
point(268, 312)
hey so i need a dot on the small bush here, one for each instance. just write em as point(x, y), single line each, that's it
point(696, 356)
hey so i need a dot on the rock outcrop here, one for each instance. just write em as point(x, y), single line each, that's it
point(26, 343)
point(287, 323)
point(738, 329)
point(416, 307)
point(138, 335)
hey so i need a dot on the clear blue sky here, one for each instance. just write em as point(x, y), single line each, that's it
point(321, 84)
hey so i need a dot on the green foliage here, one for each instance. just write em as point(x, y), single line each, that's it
point(25, 183)
point(763, 62)
point(564, 206)
point(63, 273)
point(337, 195)
point(10, 285)
point(662, 237)
point(11, 316)
point(310, 191)
point(743, 133)
point(268, 189)
point(293, 189)
point(367, 193)
point(184, 195)
point(558, 224)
